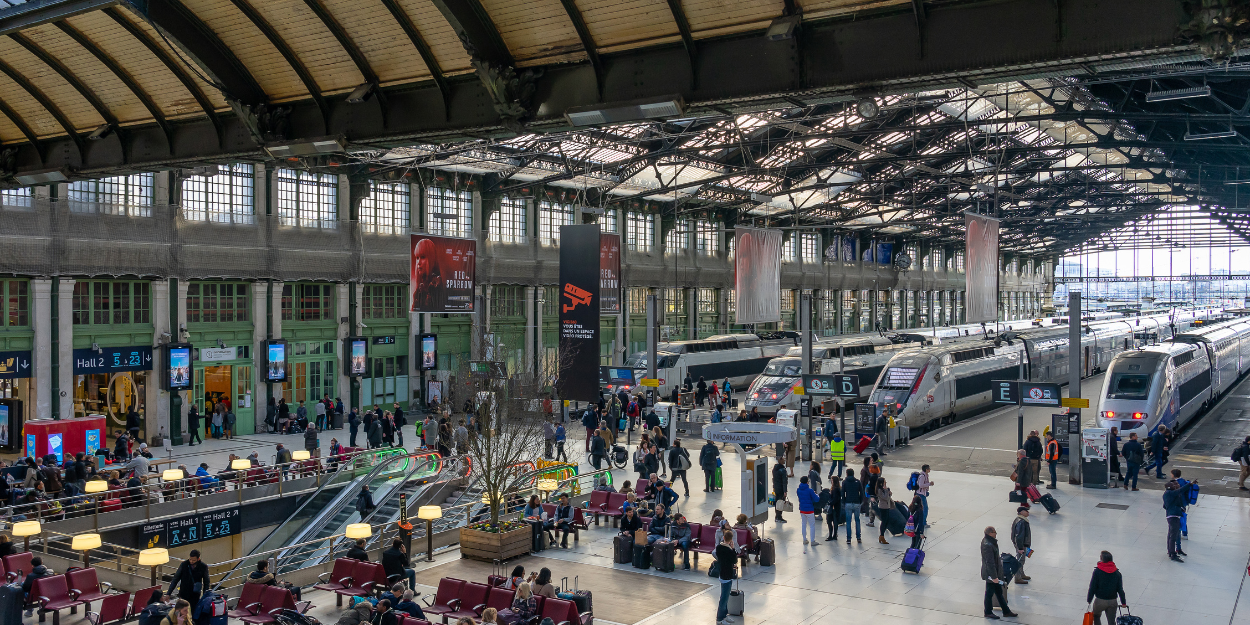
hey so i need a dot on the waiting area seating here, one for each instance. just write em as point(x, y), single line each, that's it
point(455, 599)
point(353, 578)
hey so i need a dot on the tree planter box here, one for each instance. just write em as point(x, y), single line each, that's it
point(491, 546)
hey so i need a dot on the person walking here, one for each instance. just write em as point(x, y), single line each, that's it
point(833, 509)
point(549, 436)
point(364, 502)
point(1021, 474)
point(1134, 456)
point(780, 483)
point(1052, 458)
point(590, 421)
point(230, 421)
point(992, 573)
point(727, 562)
point(191, 580)
point(880, 433)
point(1158, 451)
point(561, 456)
point(837, 455)
point(807, 511)
point(1105, 585)
point(1113, 456)
point(1241, 456)
point(193, 430)
point(885, 507)
point(679, 463)
point(709, 457)
point(852, 499)
point(219, 420)
point(917, 513)
point(923, 483)
point(353, 426)
point(1022, 540)
point(1174, 507)
point(1034, 450)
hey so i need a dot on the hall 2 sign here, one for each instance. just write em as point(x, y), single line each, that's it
point(214, 354)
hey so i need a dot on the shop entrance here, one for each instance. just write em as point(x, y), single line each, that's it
point(229, 384)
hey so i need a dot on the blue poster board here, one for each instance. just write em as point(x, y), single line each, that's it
point(93, 441)
point(56, 446)
point(30, 445)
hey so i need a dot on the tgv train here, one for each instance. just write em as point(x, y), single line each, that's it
point(865, 355)
point(1172, 383)
point(738, 357)
point(932, 386)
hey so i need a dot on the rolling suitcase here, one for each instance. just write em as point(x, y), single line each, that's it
point(1127, 618)
point(1048, 502)
point(1034, 494)
point(895, 520)
point(664, 554)
point(737, 601)
point(11, 597)
point(642, 556)
point(862, 444)
point(913, 559)
point(768, 552)
point(1017, 497)
point(622, 549)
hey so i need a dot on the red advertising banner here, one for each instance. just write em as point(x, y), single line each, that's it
point(609, 274)
point(442, 274)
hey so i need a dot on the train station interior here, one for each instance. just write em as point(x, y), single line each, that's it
point(279, 276)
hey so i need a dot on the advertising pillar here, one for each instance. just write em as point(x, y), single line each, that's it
point(579, 313)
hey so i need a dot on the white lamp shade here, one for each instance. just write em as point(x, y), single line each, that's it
point(27, 528)
point(240, 464)
point(547, 485)
point(429, 513)
point(359, 530)
point(96, 486)
point(171, 475)
point(153, 557)
point(300, 454)
point(83, 542)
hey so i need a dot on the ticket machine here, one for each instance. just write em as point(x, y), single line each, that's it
point(1095, 457)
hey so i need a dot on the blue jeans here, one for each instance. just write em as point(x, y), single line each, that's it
point(837, 468)
point(924, 502)
point(1132, 474)
point(851, 510)
point(1157, 465)
point(1053, 478)
point(722, 609)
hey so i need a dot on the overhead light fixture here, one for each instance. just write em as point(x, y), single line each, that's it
point(1202, 136)
point(361, 93)
point(1237, 182)
point(308, 147)
point(783, 28)
point(630, 110)
point(1179, 94)
point(867, 108)
point(43, 176)
point(100, 132)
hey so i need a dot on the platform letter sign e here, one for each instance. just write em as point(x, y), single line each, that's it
point(1004, 392)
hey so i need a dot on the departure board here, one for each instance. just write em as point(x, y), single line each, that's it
point(191, 529)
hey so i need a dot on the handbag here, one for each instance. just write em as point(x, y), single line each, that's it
point(1089, 618)
point(785, 506)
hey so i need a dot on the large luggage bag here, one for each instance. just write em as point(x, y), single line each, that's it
point(895, 520)
point(862, 444)
point(737, 602)
point(642, 556)
point(1048, 502)
point(583, 598)
point(622, 549)
point(664, 554)
point(1034, 494)
point(1127, 618)
point(768, 552)
point(913, 559)
point(11, 598)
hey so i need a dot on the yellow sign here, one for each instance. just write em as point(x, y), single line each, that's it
point(1074, 402)
point(650, 382)
point(798, 390)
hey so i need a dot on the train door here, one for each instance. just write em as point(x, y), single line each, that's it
point(1085, 366)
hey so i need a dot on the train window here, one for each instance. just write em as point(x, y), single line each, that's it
point(783, 369)
point(899, 377)
point(1128, 386)
point(1182, 358)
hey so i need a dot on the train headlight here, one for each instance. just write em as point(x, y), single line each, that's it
point(755, 395)
point(1139, 415)
point(773, 396)
point(1108, 414)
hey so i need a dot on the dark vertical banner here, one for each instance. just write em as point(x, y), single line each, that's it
point(579, 313)
point(981, 292)
point(609, 273)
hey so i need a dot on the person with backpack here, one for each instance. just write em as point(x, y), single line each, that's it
point(1241, 455)
point(1134, 455)
point(992, 573)
point(590, 421)
point(916, 521)
point(808, 500)
point(364, 502)
point(1105, 586)
point(780, 488)
point(1173, 507)
point(1158, 451)
point(709, 458)
point(1189, 497)
point(679, 463)
point(1022, 540)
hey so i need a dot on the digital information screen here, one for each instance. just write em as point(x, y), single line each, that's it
point(191, 529)
point(429, 352)
point(276, 371)
point(358, 356)
point(179, 367)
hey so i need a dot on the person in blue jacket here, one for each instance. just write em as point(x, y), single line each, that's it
point(807, 510)
point(1159, 451)
point(1174, 506)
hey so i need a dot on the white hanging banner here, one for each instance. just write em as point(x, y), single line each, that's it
point(981, 299)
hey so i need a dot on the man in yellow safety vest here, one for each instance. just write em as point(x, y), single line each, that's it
point(837, 454)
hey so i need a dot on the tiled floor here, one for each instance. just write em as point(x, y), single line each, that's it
point(834, 584)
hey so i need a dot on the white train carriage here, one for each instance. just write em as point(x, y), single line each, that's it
point(1168, 383)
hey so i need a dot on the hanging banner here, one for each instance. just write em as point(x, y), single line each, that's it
point(579, 313)
point(757, 275)
point(981, 299)
point(609, 274)
point(442, 274)
point(885, 253)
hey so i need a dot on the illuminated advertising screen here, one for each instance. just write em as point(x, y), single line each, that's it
point(357, 356)
point(4, 425)
point(276, 371)
point(179, 367)
point(429, 351)
point(442, 274)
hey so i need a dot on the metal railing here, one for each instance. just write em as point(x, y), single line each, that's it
point(57, 508)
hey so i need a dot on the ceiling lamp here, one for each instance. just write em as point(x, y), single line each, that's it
point(1219, 134)
point(1179, 94)
point(867, 108)
point(630, 110)
point(361, 93)
point(309, 147)
point(783, 28)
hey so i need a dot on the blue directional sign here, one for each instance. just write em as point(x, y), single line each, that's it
point(15, 365)
point(191, 529)
point(112, 359)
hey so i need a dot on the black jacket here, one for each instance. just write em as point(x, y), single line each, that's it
point(598, 447)
point(652, 419)
point(1021, 534)
point(708, 456)
point(394, 561)
point(356, 553)
point(852, 491)
point(1133, 452)
point(1033, 448)
point(629, 526)
point(674, 453)
point(780, 480)
point(35, 573)
point(652, 463)
point(187, 577)
point(1106, 586)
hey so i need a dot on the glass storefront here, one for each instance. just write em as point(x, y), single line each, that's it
point(311, 375)
point(111, 395)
